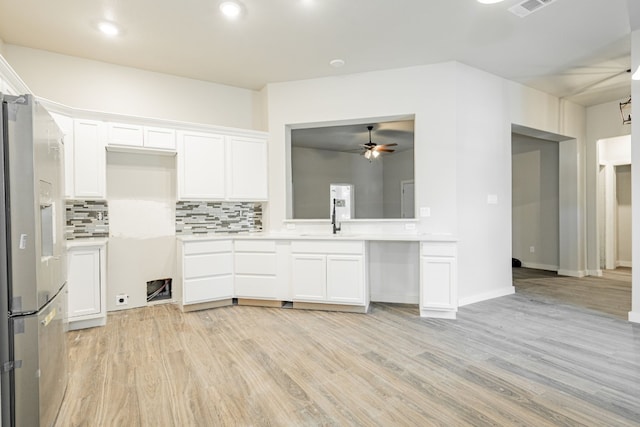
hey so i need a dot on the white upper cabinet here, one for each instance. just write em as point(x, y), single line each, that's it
point(124, 134)
point(65, 123)
point(219, 167)
point(89, 176)
point(159, 138)
point(135, 136)
point(201, 166)
point(248, 169)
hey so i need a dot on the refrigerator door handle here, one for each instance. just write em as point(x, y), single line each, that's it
point(11, 366)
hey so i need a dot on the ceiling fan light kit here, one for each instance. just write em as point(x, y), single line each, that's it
point(373, 150)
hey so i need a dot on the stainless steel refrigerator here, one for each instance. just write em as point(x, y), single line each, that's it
point(33, 353)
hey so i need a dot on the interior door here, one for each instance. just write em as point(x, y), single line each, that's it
point(408, 208)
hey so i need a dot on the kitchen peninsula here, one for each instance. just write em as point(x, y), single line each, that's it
point(314, 271)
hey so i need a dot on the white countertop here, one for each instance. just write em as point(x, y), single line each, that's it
point(314, 236)
point(85, 242)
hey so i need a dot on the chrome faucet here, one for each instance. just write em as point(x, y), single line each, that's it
point(336, 227)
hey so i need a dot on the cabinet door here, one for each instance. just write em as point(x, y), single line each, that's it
point(345, 279)
point(89, 159)
point(124, 134)
point(201, 166)
point(248, 169)
point(438, 283)
point(84, 283)
point(309, 277)
point(65, 124)
point(160, 138)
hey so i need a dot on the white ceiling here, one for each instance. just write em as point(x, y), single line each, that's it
point(565, 48)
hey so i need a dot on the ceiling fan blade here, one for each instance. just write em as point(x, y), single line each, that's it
point(393, 144)
point(385, 150)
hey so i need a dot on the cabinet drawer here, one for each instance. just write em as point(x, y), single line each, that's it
point(208, 289)
point(255, 245)
point(327, 247)
point(256, 263)
point(438, 249)
point(208, 265)
point(255, 286)
point(207, 247)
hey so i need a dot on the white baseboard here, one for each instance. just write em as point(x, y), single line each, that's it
point(594, 273)
point(84, 324)
point(572, 273)
point(438, 314)
point(634, 316)
point(395, 299)
point(623, 264)
point(540, 266)
point(487, 296)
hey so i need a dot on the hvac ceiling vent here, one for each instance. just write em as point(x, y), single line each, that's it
point(527, 7)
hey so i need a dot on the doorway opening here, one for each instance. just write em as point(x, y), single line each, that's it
point(535, 211)
point(614, 202)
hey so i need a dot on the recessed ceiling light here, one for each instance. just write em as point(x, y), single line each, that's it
point(230, 9)
point(109, 28)
point(489, 1)
point(336, 63)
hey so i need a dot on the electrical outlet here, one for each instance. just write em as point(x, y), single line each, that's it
point(532, 249)
point(122, 299)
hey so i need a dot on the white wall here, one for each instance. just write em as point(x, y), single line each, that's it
point(535, 202)
point(423, 91)
point(634, 315)
point(623, 217)
point(142, 246)
point(483, 171)
point(463, 120)
point(93, 85)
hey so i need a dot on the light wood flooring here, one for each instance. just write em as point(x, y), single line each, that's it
point(609, 294)
point(524, 359)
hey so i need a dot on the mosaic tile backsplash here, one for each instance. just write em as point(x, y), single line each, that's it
point(86, 218)
point(217, 217)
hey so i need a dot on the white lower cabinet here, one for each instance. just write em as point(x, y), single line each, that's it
point(262, 269)
point(86, 279)
point(438, 280)
point(330, 272)
point(345, 279)
point(206, 268)
point(309, 277)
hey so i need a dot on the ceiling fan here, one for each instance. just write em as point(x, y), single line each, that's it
point(373, 150)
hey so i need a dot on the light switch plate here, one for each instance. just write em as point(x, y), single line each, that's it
point(492, 199)
point(425, 212)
